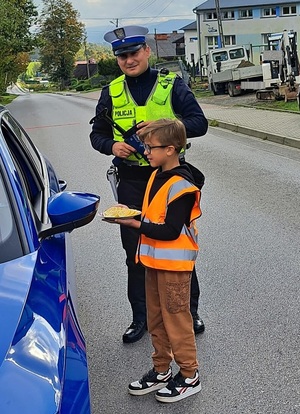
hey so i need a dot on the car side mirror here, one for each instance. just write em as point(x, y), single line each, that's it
point(69, 210)
point(62, 184)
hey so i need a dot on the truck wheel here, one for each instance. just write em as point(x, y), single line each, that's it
point(231, 89)
point(234, 89)
point(218, 89)
point(213, 89)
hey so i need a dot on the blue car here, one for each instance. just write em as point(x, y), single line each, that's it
point(43, 361)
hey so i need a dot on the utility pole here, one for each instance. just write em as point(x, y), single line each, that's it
point(156, 45)
point(86, 55)
point(220, 27)
point(199, 45)
point(115, 22)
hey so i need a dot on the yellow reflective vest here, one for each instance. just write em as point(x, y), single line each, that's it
point(126, 113)
point(173, 255)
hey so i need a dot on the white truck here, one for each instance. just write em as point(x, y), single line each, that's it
point(176, 66)
point(230, 71)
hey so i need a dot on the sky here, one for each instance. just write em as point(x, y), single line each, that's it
point(100, 16)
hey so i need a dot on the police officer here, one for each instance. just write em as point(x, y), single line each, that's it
point(141, 94)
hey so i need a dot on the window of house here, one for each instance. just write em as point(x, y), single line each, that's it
point(193, 39)
point(212, 41)
point(246, 14)
point(227, 15)
point(211, 16)
point(287, 10)
point(229, 40)
point(269, 12)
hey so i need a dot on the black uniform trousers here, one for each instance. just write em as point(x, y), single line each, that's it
point(131, 189)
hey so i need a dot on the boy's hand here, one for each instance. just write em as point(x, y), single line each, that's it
point(136, 224)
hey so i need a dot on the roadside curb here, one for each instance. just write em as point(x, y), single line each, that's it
point(291, 142)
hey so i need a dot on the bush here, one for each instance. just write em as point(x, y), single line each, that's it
point(79, 88)
point(31, 82)
point(83, 85)
point(74, 83)
point(97, 81)
point(36, 86)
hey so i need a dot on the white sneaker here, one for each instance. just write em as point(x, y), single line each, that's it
point(152, 381)
point(179, 388)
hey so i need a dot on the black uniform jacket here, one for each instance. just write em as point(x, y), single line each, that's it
point(183, 101)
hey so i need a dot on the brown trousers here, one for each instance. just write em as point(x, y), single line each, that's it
point(169, 320)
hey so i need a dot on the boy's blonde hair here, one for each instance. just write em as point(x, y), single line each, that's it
point(167, 132)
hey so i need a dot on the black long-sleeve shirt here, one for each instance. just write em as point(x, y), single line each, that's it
point(178, 212)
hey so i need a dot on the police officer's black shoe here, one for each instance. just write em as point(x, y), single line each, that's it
point(135, 331)
point(199, 326)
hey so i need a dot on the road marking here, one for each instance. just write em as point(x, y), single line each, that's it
point(51, 126)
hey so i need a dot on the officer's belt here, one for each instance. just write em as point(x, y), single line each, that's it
point(134, 172)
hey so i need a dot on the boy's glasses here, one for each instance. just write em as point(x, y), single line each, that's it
point(148, 148)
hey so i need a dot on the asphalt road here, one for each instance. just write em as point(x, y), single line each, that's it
point(248, 268)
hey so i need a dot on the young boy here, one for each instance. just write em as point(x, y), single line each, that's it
point(168, 250)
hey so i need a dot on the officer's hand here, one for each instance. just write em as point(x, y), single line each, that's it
point(122, 150)
point(141, 127)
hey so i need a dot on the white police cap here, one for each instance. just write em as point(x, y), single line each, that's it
point(126, 39)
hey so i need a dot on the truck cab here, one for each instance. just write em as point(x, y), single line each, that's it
point(176, 66)
point(226, 58)
point(222, 60)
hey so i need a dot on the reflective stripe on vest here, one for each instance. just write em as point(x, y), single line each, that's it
point(126, 113)
point(172, 255)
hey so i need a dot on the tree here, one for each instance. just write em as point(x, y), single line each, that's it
point(109, 67)
point(94, 52)
point(33, 69)
point(60, 36)
point(17, 17)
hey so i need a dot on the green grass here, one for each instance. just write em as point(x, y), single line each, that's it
point(200, 88)
point(214, 123)
point(291, 106)
point(202, 93)
point(6, 99)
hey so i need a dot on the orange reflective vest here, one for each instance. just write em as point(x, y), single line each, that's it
point(173, 255)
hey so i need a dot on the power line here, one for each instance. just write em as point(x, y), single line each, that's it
point(167, 5)
point(131, 18)
point(143, 6)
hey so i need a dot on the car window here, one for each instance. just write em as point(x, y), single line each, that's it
point(26, 141)
point(10, 243)
point(28, 163)
point(220, 56)
point(237, 53)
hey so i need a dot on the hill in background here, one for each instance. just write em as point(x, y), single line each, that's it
point(95, 34)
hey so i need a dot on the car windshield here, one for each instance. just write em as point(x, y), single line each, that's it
point(220, 56)
point(10, 244)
